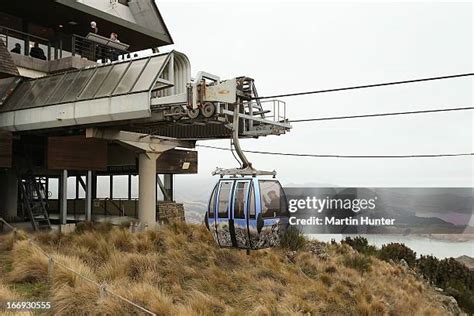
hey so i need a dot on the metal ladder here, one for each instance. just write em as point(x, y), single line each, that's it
point(33, 201)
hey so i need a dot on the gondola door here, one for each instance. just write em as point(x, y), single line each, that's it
point(223, 219)
point(239, 229)
point(210, 218)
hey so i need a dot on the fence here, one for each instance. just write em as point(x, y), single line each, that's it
point(102, 287)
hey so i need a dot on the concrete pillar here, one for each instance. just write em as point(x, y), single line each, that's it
point(63, 197)
point(147, 188)
point(88, 201)
point(8, 194)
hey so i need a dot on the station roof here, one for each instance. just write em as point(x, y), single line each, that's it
point(105, 81)
point(138, 22)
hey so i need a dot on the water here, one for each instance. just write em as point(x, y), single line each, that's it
point(421, 245)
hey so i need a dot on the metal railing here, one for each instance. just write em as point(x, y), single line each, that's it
point(12, 37)
point(276, 108)
point(95, 51)
point(50, 50)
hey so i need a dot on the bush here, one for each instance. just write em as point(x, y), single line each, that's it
point(397, 252)
point(451, 275)
point(361, 263)
point(360, 244)
point(293, 239)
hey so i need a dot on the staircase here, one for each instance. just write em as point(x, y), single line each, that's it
point(260, 120)
point(33, 201)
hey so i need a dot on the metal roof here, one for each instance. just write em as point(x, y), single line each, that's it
point(96, 95)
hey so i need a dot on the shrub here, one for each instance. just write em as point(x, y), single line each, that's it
point(293, 239)
point(397, 252)
point(361, 263)
point(360, 244)
point(451, 275)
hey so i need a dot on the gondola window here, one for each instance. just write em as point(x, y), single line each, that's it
point(240, 199)
point(212, 203)
point(251, 206)
point(224, 202)
point(270, 193)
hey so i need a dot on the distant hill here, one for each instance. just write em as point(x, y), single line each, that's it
point(467, 261)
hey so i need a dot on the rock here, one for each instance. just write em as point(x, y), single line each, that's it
point(404, 263)
point(451, 305)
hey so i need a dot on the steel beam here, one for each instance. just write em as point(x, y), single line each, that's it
point(63, 198)
point(88, 201)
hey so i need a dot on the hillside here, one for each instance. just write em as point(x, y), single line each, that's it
point(179, 270)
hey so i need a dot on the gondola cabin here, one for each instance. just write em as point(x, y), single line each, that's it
point(247, 212)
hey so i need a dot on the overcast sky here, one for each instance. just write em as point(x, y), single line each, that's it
point(296, 46)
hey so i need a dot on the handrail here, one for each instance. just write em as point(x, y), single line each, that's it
point(9, 32)
point(23, 33)
point(93, 50)
point(6, 223)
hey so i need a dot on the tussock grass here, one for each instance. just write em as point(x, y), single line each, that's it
point(178, 270)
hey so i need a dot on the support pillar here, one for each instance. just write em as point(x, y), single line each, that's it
point(63, 198)
point(88, 201)
point(147, 188)
point(8, 194)
point(168, 184)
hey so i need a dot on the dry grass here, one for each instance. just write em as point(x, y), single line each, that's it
point(178, 270)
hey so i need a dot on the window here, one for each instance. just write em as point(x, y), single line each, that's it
point(239, 199)
point(251, 206)
point(212, 203)
point(272, 198)
point(103, 187)
point(224, 195)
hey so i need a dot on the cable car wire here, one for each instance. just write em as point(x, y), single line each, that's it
point(381, 114)
point(345, 156)
point(364, 86)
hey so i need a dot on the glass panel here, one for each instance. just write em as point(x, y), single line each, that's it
point(271, 194)
point(240, 199)
point(112, 80)
point(134, 187)
point(46, 90)
point(94, 83)
point(5, 85)
point(103, 187)
point(130, 76)
point(19, 93)
point(151, 70)
point(78, 85)
point(53, 188)
point(251, 206)
point(31, 93)
point(212, 203)
point(82, 192)
point(120, 188)
point(63, 87)
point(71, 188)
point(224, 199)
